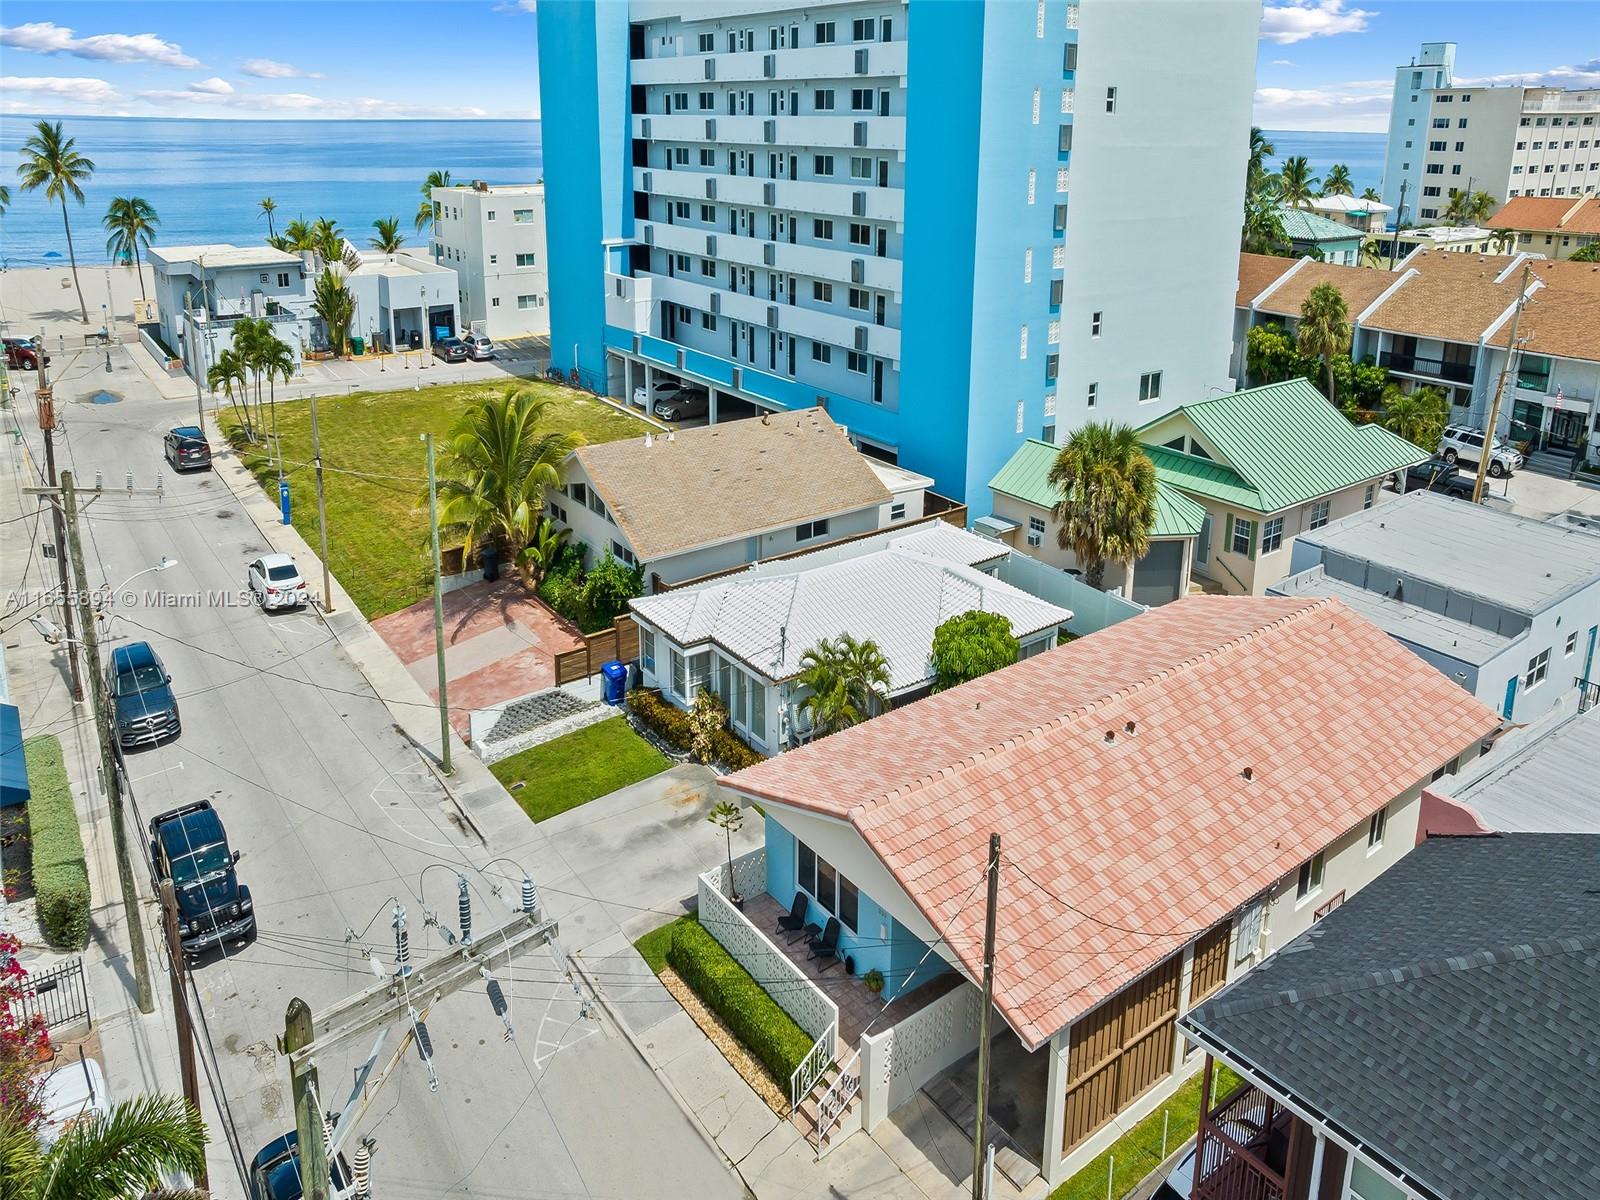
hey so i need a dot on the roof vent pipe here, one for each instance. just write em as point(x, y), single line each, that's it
point(1111, 736)
point(1128, 728)
point(1248, 773)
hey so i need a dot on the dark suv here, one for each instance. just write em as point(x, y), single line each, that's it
point(189, 846)
point(1439, 475)
point(146, 710)
point(186, 448)
point(275, 1172)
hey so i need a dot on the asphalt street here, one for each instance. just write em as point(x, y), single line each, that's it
point(338, 820)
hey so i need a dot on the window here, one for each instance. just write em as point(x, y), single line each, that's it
point(522, 216)
point(824, 33)
point(525, 260)
point(1150, 386)
point(1441, 122)
point(708, 158)
point(855, 362)
point(1035, 531)
point(708, 43)
point(1310, 881)
point(708, 100)
point(1461, 122)
point(821, 352)
point(1437, 147)
point(678, 674)
point(897, 511)
point(708, 321)
point(1377, 825)
point(1096, 320)
point(1057, 286)
point(1048, 432)
point(1460, 147)
point(490, 215)
point(1272, 535)
point(860, 168)
point(1319, 514)
point(861, 99)
point(1070, 59)
point(822, 164)
point(623, 554)
point(1538, 668)
point(864, 29)
point(1111, 99)
point(527, 302)
point(680, 210)
point(822, 230)
point(860, 235)
point(860, 299)
point(708, 214)
point(1434, 190)
point(596, 505)
point(1243, 535)
point(824, 99)
point(1435, 168)
point(831, 890)
point(1093, 394)
point(811, 529)
point(1455, 168)
point(1572, 644)
point(822, 291)
point(494, 301)
point(1052, 367)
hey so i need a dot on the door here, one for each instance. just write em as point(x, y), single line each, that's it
point(1158, 576)
point(1511, 698)
point(1202, 545)
point(1566, 431)
point(1588, 657)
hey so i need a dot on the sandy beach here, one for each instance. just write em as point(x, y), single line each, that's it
point(35, 298)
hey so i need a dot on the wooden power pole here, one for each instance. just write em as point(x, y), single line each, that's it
point(322, 511)
point(1487, 454)
point(981, 1121)
point(180, 1006)
point(438, 610)
point(47, 423)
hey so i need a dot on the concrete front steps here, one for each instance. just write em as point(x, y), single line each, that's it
point(961, 1107)
point(805, 1117)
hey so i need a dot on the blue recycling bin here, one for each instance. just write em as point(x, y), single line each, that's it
point(614, 678)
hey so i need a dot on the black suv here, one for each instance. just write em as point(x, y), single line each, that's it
point(1439, 475)
point(145, 710)
point(189, 846)
point(186, 448)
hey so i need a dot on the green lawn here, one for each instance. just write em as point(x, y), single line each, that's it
point(577, 767)
point(378, 520)
point(653, 946)
point(1138, 1152)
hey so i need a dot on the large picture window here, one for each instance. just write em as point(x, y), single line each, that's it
point(831, 890)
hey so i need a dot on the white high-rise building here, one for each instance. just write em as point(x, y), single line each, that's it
point(1508, 141)
point(493, 236)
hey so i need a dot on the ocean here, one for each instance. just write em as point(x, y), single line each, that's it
point(205, 179)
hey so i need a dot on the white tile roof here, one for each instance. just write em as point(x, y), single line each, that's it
point(896, 597)
point(1348, 204)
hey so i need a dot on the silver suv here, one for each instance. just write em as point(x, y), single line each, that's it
point(1463, 443)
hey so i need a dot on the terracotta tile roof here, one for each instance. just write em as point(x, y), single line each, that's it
point(1550, 214)
point(1256, 271)
point(704, 486)
point(1360, 286)
point(1452, 296)
point(1115, 854)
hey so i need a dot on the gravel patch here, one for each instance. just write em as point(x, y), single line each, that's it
point(748, 1065)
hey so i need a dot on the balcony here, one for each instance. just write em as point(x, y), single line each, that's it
point(832, 328)
point(630, 302)
point(883, 59)
point(818, 262)
point(1243, 1148)
point(828, 131)
point(1431, 368)
point(750, 191)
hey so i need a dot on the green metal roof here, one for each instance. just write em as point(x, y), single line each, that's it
point(1302, 226)
point(1288, 446)
point(1203, 477)
point(1026, 474)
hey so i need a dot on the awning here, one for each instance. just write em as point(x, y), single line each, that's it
point(993, 527)
point(13, 767)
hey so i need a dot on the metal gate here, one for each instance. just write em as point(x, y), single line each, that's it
point(59, 995)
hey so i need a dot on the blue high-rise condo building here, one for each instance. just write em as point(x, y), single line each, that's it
point(954, 224)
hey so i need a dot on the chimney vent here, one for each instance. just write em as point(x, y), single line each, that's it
point(1111, 736)
point(1248, 773)
point(1128, 728)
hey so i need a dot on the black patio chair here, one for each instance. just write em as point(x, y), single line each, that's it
point(794, 921)
point(826, 946)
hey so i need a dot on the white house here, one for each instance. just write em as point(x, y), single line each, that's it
point(393, 292)
point(492, 236)
point(202, 291)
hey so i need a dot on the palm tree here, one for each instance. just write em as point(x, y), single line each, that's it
point(250, 337)
point(498, 463)
point(331, 300)
point(543, 549)
point(118, 1155)
point(131, 222)
point(1263, 231)
point(230, 374)
point(1296, 184)
point(1324, 330)
point(1260, 151)
point(1371, 194)
point(1337, 181)
point(1419, 416)
point(327, 239)
point(5, 198)
point(50, 161)
point(1469, 208)
point(1371, 256)
point(268, 206)
point(1107, 486)
point(428, 211)
point(1504, 240)
point(297, 235)
point(389, 238)
point(846, 682)
point(277, 362)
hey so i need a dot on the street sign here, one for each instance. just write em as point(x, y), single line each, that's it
point(283, 499)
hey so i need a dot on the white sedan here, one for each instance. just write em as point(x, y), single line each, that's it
point(275, 582)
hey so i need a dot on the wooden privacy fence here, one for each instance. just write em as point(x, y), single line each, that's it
point(620, 642)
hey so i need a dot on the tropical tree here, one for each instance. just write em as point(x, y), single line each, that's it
point(230, 376)
point(498, 462)
point(51, 161)
point(726, 814)
point(543, 550)
point(1263, 231)
point(251, 336)
point(277, 362)
point(1337, 181)
point(1469, 208)
point(1371, 255)
point(327, 239)
point(131, 222)
point(846, 681)
point(1504, 240)
point(5, 198)
point(296, 236)
point(1270, 355)
point(389, 238)
point(428, 211)
point(1588, 254)
point(1372, 194)
point(1296, 184)
point(969, 645)
point(1324, 330)
point(1256, 166)
point(333, 302)
point(1107, 508)
point(118, 1155)
point(268, 206)
point(1418, 416)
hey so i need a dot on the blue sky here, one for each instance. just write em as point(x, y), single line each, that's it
point(1323, 64)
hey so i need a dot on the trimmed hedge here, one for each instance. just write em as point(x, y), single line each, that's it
point(729, 991)
point(671, 724)
point(60, 875)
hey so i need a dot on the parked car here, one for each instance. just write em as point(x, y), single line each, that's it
point(275, 582)
point(186, 448)
point(687, 403)
point(1439, 475)
point(74, 1091)
point(450, 349)
point(141, 691)
point(275, 1170)
point(1462, 442)
point(23, 355)
point(189, 846)
point(663, 388)
point(479, 347)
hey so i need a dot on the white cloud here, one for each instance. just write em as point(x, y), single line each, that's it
point(1298, 20)
point(46, 37)
point(1282, 62)
point(216, 86)
point(76, 89)
point(267, 68)
point(526, 6)
point(1359, 107)
point(1579, 75)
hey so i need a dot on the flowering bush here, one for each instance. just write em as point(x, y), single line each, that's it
point(23, 1041)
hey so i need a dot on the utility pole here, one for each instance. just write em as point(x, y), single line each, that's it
point(1512, 353)
point(316, 1182)
point(1399, 216)
point(981, 1121)
point(47, 423)
point(438, 610)
point(108, 757)
point(180, 1006)
point(322, 511)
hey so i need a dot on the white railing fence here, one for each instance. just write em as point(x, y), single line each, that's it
point(814, 1066)
point(836, 1100)
point(898, 1061)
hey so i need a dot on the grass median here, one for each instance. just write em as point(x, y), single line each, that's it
point(578, 767)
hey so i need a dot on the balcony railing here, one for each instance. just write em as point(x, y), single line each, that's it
point(1437, 368)
point(1233, 1140)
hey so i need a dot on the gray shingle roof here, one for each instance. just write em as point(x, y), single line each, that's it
point(1444, 1018)
point(1550, 783)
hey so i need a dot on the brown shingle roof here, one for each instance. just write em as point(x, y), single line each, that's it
point(1564, 214)
point(705, 486)
point(1360, 286)
point(1256, 271)
point(1563, 316)
point(1452, 296)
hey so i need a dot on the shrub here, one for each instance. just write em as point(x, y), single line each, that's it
point(707, 718)
point(729, 749)
point(668, 723)
point(971, 645)
point(60, 876)
point(609, 586)
point(729, 991)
